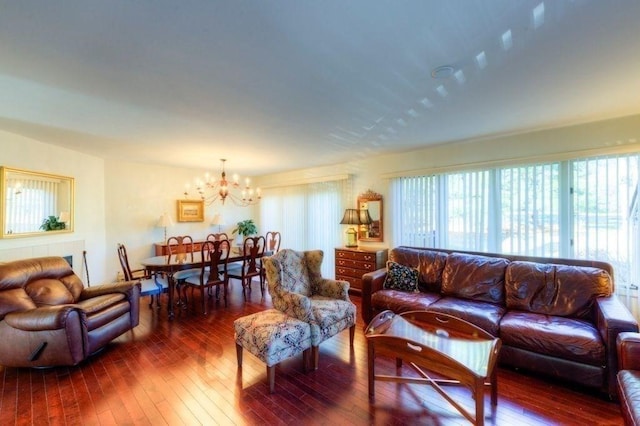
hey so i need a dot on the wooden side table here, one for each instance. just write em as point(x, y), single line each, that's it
point(162, 249)
point(353, 262)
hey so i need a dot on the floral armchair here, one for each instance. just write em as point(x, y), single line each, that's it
point(297, 288)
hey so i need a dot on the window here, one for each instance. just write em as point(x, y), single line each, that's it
point(578, 208)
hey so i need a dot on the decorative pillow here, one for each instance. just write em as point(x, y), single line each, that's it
point(401, 277)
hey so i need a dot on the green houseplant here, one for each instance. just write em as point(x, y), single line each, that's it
point(245, 228)
point(52, 223)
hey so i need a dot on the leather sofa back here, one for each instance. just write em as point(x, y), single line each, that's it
point(30, 283)
point(559, 290)
point(429, 263)
point(474, 277)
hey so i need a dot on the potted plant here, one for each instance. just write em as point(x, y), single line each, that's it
point(52, 223)
point(244, 229)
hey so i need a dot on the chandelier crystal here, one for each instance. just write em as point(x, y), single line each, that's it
point(211, 190)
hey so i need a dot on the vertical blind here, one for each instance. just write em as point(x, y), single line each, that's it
point(308, 216)
point(31, 201)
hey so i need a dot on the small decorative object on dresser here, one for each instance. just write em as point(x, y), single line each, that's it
point(353, 262)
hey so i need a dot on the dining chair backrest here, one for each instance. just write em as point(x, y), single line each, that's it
point(124, 262)
point(215, 255)
point(180, 246)
point(217, 236)
point(253, 250)
point(272, 242)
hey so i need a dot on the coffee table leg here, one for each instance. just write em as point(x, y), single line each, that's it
point(479, 396)
point(371, 369)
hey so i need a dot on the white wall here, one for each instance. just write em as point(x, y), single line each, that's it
point(89, 225)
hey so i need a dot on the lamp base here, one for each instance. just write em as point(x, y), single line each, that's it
point(352, 240)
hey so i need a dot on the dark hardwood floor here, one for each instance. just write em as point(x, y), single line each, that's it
point(184, 372)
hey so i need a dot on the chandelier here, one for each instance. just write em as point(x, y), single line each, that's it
point(211, 190)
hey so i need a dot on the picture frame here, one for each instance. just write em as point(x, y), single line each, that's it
point(190, 210)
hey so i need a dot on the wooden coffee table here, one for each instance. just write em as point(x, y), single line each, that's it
point(458, 352)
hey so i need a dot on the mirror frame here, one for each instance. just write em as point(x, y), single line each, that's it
point(363, 202)
point(4, 175)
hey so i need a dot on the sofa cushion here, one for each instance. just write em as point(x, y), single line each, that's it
point(474, 277)
point(566, 338)
point(485, 315)
point(429, 263)
point(401, 277)
point(560, 290)
point(401, 301)
point(14, 300)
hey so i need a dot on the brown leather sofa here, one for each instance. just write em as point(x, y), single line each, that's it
point(48, 318)
point(629, 377)
point(556, 317)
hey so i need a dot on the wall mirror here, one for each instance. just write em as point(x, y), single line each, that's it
point(35, 203)
point(370, 210)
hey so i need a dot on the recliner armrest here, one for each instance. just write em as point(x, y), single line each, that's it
point(43, 318)
point(628, 345)
point(126, 287)
point(371, 282)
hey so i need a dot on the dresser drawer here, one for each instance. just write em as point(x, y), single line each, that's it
point(349, 272)
point(356, 255)
point(354, 283)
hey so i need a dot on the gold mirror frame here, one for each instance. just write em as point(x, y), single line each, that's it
point(372, 201)
point(62, 211)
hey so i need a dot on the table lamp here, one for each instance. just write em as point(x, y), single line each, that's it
point(164, 222)
point(351, 218)
point(218, 221)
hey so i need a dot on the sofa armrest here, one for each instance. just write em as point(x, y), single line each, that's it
point(628, 345)
point(371, 282)
point(334, 289)
point(612, 318)
point(126, 287)
point(44, 318)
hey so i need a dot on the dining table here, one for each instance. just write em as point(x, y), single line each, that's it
point(170, 264)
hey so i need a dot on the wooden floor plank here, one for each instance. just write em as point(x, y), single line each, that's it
point(184, 372)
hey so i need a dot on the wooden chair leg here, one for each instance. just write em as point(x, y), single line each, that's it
point(239, 354)
point(352, 333)
point(315, 356)
point(271, 374)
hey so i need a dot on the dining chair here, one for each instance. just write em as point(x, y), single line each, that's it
point(252, 251)
point(215, 255)
point(272, 246)
point(217, 236)
point(180, 250)
point(272, 239)
point(150, 285)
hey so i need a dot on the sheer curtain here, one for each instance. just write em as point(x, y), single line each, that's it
point(308, 216)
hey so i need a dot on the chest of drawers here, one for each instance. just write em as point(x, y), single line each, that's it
point(352, 263)
point(162, 249)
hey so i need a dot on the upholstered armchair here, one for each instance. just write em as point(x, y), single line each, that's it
point(297, 288)
point(48, 318)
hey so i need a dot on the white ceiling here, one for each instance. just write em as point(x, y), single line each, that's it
point(289, 84)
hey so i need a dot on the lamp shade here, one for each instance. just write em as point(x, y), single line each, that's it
point(217, 220)
point(365, 217)
point(350, 217)
point(165, 220)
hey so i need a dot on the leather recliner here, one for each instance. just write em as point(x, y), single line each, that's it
point(48, 318)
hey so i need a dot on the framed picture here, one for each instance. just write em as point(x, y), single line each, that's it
point(190, 210)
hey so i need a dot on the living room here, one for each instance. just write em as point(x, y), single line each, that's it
point(120, 193)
